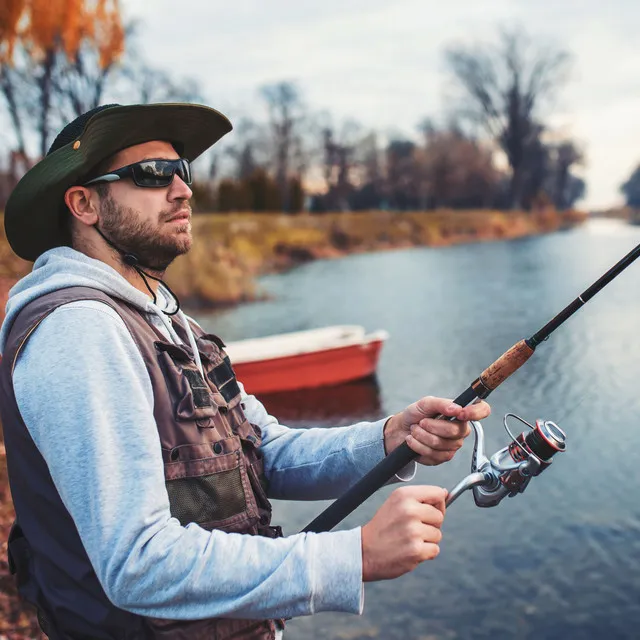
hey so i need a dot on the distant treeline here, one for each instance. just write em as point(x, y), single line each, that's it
point(496, 149)
point(446, 169)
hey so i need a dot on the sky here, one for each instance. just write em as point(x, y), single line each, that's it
point(381, 62)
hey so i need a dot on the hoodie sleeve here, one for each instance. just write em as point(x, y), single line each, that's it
point(317, 464)
point(85, 396)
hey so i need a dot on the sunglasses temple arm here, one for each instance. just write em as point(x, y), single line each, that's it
point(109, 177)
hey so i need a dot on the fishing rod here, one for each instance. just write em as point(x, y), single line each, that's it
point(542, 436)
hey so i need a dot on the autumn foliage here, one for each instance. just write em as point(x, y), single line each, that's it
point(44, 26)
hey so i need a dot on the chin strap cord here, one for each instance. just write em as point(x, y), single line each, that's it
point(132, 260)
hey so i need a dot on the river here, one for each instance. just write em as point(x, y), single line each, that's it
point(561, 560)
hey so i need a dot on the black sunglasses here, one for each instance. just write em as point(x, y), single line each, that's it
point(149, 173)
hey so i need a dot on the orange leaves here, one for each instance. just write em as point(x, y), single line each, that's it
point(45, 23)
point(45, 26)
point(73, 29)
point(109, 32)
point(10, 12)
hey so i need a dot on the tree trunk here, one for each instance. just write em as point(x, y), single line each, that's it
point(282, 172)
point(516, 185)
point(8, 89)
point(45, 100)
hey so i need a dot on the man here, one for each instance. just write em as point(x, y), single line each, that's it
point(140, 470)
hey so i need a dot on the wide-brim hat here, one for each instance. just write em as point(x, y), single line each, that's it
point(34, 215)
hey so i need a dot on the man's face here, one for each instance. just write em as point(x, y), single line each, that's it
point(152, 223)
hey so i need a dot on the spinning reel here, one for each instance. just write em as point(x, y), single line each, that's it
point(509, 470)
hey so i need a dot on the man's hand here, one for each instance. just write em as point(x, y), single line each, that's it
point(435, 440)
point(404, 532)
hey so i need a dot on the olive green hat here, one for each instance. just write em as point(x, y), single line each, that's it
point(33, 217)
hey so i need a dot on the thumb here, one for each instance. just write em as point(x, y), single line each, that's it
point(430, 406)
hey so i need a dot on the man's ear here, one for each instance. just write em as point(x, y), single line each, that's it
point(82, 202)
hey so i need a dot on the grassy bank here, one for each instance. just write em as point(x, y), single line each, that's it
point(230, 250)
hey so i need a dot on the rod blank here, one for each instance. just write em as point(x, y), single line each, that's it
point(493, 376)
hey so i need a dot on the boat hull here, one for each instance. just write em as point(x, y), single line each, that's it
point(314, 369)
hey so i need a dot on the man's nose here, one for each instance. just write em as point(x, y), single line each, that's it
point(179, 189)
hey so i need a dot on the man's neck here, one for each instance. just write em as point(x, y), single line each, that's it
point(112, 257)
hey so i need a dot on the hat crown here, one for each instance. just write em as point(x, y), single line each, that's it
point(75, 128)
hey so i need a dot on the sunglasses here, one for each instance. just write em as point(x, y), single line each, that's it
point(149, 173)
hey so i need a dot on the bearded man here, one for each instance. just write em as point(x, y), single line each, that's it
point(140, 470)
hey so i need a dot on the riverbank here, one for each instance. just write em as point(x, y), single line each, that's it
point(231, 250)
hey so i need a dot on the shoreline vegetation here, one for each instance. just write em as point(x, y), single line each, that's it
point(231, 250)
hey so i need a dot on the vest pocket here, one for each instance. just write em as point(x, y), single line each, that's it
point(190, 394)
point(214, 492)
point(224, 378)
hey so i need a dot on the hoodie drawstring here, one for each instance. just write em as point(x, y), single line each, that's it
point(172, 333)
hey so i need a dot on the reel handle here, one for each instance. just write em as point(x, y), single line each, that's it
point(482, 472)
point(472, 480)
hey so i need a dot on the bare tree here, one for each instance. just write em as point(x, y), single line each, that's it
point(286, 114)
point(14, 85)
point(455, 170)
point(140, 82)
point(566, 155)
point(247, 150)
point(82, 82)
point(504, 88)
point(340, 146)
point(403, 183)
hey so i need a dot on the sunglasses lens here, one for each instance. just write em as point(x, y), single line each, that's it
point(159, 173)
point(184, 171)
point(153, 173)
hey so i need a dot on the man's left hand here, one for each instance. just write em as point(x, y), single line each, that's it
point(436, 441)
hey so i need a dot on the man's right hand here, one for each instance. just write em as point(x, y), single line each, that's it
point(404, 532)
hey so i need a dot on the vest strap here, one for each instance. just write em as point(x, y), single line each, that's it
point(18, 552)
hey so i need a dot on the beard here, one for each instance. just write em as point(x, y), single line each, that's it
point(154, 247)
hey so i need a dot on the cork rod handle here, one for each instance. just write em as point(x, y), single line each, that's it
point(509, 362)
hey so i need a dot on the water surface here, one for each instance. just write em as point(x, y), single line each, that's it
point(563, 559)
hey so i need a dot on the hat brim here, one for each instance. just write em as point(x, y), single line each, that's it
point(32, 215)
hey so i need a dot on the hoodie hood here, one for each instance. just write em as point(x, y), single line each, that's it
point(64, 267)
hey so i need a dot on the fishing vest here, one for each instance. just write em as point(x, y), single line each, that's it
point(213, 471)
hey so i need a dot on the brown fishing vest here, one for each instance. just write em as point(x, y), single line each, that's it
point(213, 476)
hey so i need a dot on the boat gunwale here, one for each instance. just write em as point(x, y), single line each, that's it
point(377, 336)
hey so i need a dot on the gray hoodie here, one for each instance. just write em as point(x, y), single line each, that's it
point(145, 560)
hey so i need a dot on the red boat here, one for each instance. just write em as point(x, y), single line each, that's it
point(303, 359)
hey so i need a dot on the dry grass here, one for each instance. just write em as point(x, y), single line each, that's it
point(231, 249)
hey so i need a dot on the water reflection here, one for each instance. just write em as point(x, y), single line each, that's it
point(326, 406)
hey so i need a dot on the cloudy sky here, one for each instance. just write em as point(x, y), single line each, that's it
point(381, 62)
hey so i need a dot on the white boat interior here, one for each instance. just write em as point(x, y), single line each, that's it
point(298, 342)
